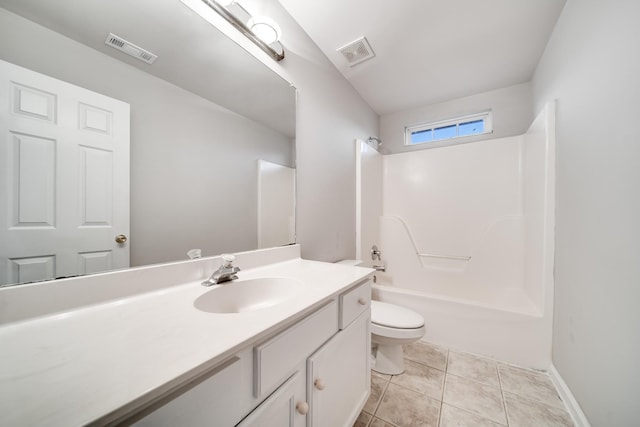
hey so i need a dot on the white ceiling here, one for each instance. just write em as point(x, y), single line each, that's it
point(428, 51)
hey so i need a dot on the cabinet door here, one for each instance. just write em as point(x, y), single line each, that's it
point(338, 378)
point(286, 407)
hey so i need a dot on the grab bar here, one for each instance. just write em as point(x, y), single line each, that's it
point(415, 247)
point(461, 258)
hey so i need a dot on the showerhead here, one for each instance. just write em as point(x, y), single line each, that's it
point(374, 140)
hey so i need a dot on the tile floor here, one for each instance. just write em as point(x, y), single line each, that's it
point(443, 388)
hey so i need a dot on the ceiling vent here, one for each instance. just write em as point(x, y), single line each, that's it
point(357, 51)
point(130, 48)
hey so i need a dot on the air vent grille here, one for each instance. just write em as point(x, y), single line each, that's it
point(129, 48)
point(357, 51)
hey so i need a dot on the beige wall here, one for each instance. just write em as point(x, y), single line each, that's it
point(592, 66)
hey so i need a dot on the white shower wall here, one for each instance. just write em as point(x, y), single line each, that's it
point(538, 188)
point(479, 205)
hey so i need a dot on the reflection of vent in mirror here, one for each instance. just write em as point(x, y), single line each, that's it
point(357, 51)
point(130, 48)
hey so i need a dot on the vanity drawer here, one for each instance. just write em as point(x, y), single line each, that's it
point(276, 359)
point(223, 395)
point(354, 302)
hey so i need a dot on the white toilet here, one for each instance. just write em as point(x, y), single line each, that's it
point(392, 326)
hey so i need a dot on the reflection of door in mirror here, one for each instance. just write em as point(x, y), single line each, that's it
point(276, 205)
point(65, 154)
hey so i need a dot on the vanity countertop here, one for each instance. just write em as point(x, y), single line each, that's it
point(99, 363)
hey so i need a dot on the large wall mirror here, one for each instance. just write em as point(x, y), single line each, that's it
point(205, 118)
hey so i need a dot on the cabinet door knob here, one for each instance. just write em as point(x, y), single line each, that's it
point(362, 301)
point(319, 383)
point(302, 408)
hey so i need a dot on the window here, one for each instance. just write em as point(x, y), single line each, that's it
point(476, 124)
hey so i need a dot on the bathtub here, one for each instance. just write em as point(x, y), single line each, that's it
point(502, 333)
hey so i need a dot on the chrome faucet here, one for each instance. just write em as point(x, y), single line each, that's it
point(225, 273)
point(375, 253)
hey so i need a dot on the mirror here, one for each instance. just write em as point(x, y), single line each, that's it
point(276, 204)
point(202, 116)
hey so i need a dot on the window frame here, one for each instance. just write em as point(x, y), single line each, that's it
point(486, 116)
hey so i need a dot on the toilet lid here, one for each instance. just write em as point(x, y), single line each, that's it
point(394, 316)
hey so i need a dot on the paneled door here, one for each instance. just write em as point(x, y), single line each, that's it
point(64, 178)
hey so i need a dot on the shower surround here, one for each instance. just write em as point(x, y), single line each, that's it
point(467, 238)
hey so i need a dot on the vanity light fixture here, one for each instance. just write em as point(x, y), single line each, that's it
point(262, 31)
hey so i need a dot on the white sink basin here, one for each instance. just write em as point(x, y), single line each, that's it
point(242, 296)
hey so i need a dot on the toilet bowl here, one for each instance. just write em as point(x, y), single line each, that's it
point(393, 326)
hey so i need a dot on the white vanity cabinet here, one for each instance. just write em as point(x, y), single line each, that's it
point(223, 398)
point(338, 378)
point(286, 407)
point(277, 357)
point(314, 373)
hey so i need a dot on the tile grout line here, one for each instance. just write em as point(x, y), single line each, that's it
point(476, 381)
point(504, 400)
point(535, 399)
point(497, 387)
point(469, 411)
point(384, 391)
point(444, 384)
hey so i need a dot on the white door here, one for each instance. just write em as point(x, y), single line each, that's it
point(64, 178)
point(368, 200)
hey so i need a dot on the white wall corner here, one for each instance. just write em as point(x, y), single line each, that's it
point(578, 416)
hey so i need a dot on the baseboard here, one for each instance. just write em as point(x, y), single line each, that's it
point(579, 418)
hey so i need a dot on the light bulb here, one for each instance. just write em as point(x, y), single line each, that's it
point(265, 29)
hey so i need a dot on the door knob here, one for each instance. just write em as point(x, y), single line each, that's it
point(121, 238)
point(319, 384)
